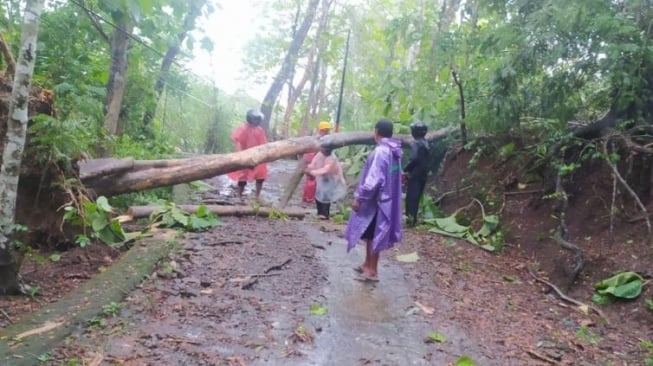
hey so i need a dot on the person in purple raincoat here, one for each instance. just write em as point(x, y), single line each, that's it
point(376, 216)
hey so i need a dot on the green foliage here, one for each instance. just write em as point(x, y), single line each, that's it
point(436, 337)
point(585, 334)
point(320, 310)
point(96, 217)
point(60, 142)
point(488, 237)
point(465, 361)
point(342, 214)
point(44, 357)
point(649, 304)
point(171, 216)
point(98, 322)
point(32, 291)
point(112, 309)
point(647, 347)
point(624, 285)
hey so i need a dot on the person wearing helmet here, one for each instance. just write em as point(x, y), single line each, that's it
point(246, 136)
point(416, 171)
point(310, 184)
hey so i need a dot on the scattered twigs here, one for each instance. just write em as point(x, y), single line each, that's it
point(515, 193)
point(445, 194)
point(183, 340)
point(6, 316)
point(278, 266)
point(630, 191)
point(317, 246)
point(224, 243)
point(567, 298)
point(249, 280)
point(541, 357)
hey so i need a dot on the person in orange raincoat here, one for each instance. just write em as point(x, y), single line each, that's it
point(310, 184)
point(245, 136)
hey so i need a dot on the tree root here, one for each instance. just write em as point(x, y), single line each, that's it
point(630, 191)
point(560, 236)
point(568, 299)
point(542, 357)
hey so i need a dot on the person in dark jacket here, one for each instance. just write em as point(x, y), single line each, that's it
point(416, 171)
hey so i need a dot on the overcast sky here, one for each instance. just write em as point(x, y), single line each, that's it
point(230, 28)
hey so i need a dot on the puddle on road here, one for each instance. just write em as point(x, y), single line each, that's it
point(372, 322)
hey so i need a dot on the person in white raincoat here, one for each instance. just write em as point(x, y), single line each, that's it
point(331, 185)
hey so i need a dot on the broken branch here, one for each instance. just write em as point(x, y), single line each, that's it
point(278, 267)
point(567, 298)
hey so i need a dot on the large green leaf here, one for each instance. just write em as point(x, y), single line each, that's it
point(624, 285)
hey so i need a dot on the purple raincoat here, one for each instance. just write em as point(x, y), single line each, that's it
point(379, 192)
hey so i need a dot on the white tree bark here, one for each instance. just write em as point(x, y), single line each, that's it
point(16, 132)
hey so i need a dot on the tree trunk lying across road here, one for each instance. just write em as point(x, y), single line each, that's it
point(161, 173)
point(145, 211)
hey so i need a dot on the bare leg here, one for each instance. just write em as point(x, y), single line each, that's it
point(241, 189)
point(370, 267)
point(259, 186)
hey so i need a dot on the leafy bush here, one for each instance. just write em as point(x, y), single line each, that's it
point(96, 216)
point(171, 216)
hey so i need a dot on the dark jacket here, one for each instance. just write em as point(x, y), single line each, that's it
point(417, 167)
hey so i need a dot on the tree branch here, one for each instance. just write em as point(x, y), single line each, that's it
point(9, 58)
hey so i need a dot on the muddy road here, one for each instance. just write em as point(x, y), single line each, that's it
point(258, 291)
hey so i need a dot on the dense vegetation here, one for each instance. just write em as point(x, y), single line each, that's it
point(575, 74)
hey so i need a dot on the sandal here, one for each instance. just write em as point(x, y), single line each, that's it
point(366, 279)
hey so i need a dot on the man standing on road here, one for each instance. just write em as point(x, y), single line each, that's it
point(376, 216)
point(416, 171)
point(245, 136)
point(310, 184)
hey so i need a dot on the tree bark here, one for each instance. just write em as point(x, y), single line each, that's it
point(145, 211)
point(207, 166)
point(103, 167)
point(287, 66)
point(15, 144)
point(117, 73)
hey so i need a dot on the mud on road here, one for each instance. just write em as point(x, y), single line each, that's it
point(259, 291)
point(242, 294)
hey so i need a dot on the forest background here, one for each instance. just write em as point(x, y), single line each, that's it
point(557, 86)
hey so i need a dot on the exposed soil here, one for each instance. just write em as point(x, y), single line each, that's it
point(242, 293)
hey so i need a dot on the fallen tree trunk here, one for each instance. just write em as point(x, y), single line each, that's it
point(145, 211)
point(107, 166)
point(187, 170)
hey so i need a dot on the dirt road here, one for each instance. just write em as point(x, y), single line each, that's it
point(258, 291)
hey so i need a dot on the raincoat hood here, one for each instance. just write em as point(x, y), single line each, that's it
point(393, 144)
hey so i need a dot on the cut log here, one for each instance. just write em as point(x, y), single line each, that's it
point(145, 211)
point(96, 168)
point(207, 166)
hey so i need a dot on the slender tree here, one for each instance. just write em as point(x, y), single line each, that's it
point(15, 144)
point(288, 65)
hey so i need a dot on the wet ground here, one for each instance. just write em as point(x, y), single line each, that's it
point(258, 291)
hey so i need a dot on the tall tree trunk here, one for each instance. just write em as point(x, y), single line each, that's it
point(288, 65)
point(15, 144)
point(117, 73)
point(189, 24)
point(296, 92)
